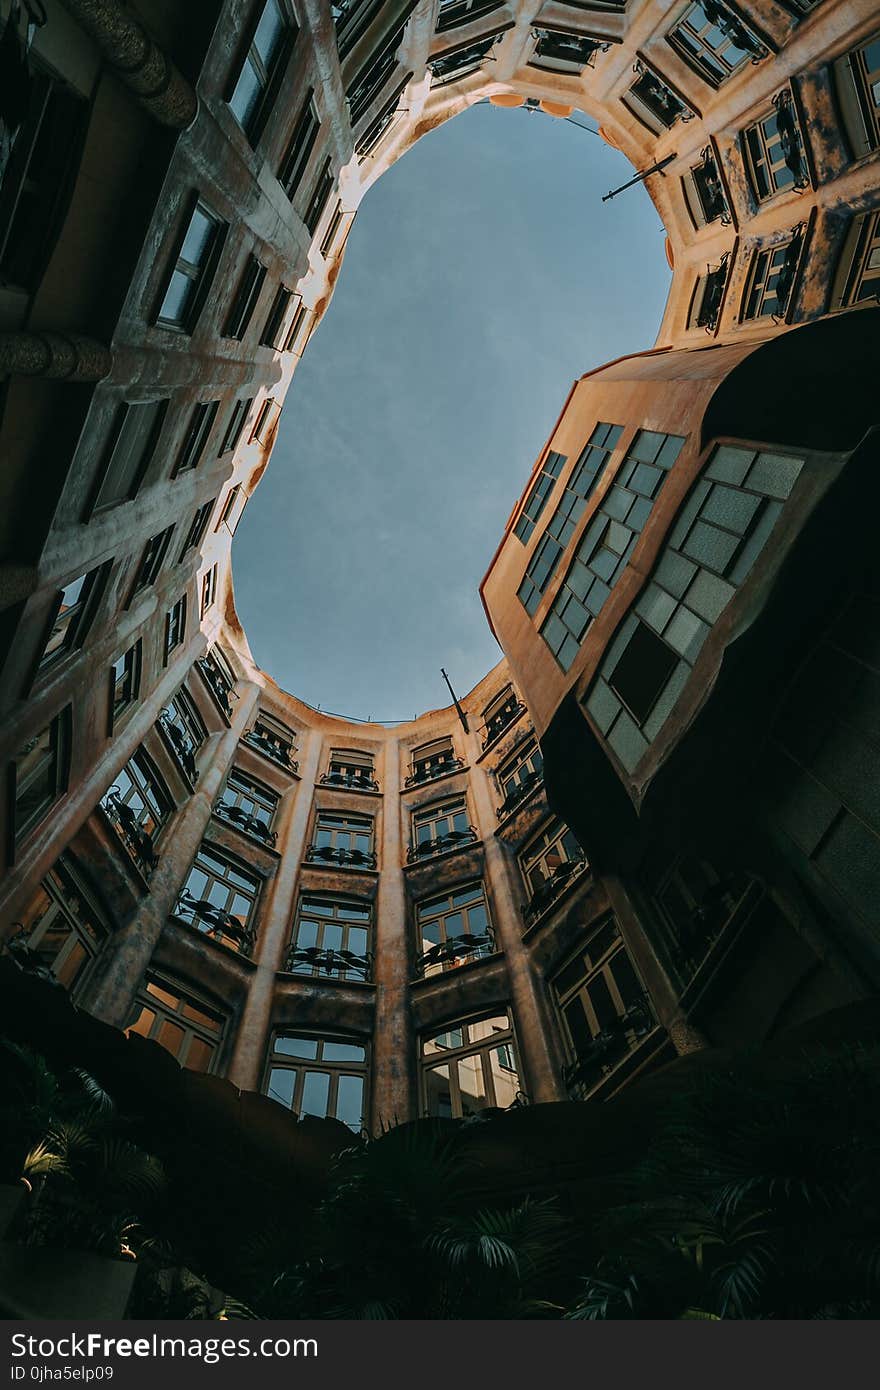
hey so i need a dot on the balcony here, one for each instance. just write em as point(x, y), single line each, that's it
point(329, 962)
point(458, 950)
point(495, 727)
point(429, 771)
point(734, 29)
point(790, 139)
point(350, 781)
point(210, 920)
point(553, 888)
point(217, 684)
point(345, 858)
point(608, 1048)
point(279, 753)
point(249, 825)
point(462, 61)
point(657, 97)
point(575, 50)
point(786, 279)
point(137, 841)
point(456, 839)
point(181, 745)
point(713, 295)
point(710, 190)
point(519, 793)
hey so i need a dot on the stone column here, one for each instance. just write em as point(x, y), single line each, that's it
point(58, 356)
point(273, 929)
point(394, 1090)
point(129, 952)
point(138, 62)
point(540, 1066)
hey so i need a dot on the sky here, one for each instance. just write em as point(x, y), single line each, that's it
point(482, 276)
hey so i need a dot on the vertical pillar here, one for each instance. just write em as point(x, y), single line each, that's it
point(57, 356)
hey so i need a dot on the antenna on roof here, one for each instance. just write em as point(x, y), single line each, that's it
point(458, 709)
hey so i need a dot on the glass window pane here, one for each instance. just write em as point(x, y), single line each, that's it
point(316, 1091)
point(350, 1101)
point(282, 1082)
point(297, 1047)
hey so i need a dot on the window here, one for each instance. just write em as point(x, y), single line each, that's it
point(857, 80)
point(519, 776)
point(175, 626)
point(343, 838)
point(209, 589)
point(182, 725)
point(367, 142)
point(292, 342)
point(62, 928)
point(267, 420)
point(258, 79)
point(708, 296)
point(234, 430)
point(451, 13)
point(449, 67)
point(440, 827)
point(132, 445)
point(331, 936)
point(774, 150)
point(332, 228)
point(608, 542)
point(39, 176)
point(196, 438)
point(548, 863)
point(433, 760)
point(198, 527)
point(704, 192)
point(452, 929)
point(152, 560)
point(39, 773)
point(538, 495)
point(351, 768)
point(561, 527)
point(771, 279)
point(220, 899)
point(190, 1030)
point(138, 805)
point(653, 102)
point(503, 711)
point(695, 902)
point(74, 610)
point(562, 52)
point(469, 1068)
point(248, 805)
point(320, 197)
point(273, 741)
point(193, 270)
point(369, 81)
point(229, 509)
point(300, 148)
point(604, 1008)
point(642, 672)
point(250, 287)
point(218, 677)
point(273, 333)
point(714, 41)
point(858, 273)
point(325, 1077)
point(125, 683)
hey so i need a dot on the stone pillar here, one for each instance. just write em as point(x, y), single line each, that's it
point(540, 1072)
point(138, 62)
point(685, 1037)
point(273, 929)
point(394, 1088)
point(58, 356)
point(130, 950)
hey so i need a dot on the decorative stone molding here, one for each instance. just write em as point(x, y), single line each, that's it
point(59, 356)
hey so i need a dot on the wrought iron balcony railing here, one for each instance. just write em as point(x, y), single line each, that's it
point(210, 920)
point(181, 744)
point(790, 138)
point(304, 960)
point(19, 950)
point(785, 281)
point(345, 858)
point(428, 773)
point(610, 1046)
point(713, 295)
point(137, 841)
point(710, 189)
point(495, 726)
point(218, 686)
point(351, 781)
point(251, 825)
point(518, 794)
point(554, 46)
point(455, 951)
point(276, 751)
point(697, 933)
point(734, 29)
point(456, 839)
point(667, 107)
point(553, 888)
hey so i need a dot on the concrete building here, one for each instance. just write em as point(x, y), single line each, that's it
point(375, 923)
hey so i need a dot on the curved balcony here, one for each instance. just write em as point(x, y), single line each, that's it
point(495, 727)
point(553, 889)
point(210, 920)
point(428, 774)
point(345, 858)
point(249, 825)
point(181, 746)
point(790, 139)
point(785, 282)
point(349, 781)
point(218, 686)
point(276, 751)
point(456, 951)
point(305, 960)
point(456, 839)
point(734, 29)
point(609, 1047)
point(520, 793)
point(137, 841)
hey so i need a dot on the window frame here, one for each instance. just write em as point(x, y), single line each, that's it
point(480, 1047)
point(132, 670)
point(269, 77)
point(57, 758)
point(329, 962)
point(191, 1028)
point(200, 273)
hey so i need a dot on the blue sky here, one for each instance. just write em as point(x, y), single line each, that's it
point(482, 276)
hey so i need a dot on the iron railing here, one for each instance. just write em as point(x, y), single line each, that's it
point(553, 888)
point(455, 951)
point(430, 771)
point(455, 839)
point(217, 684)
point(518, 794)
point(345, 858)
point(494, 727)
point(137, 841)
point(270, 749)
point(610, 1046)
point(210, 920)
point(352, 781)
point(328, 962)
point(182, 746)
point(242, 820)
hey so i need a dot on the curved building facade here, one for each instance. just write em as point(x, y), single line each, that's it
point(571, 876)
